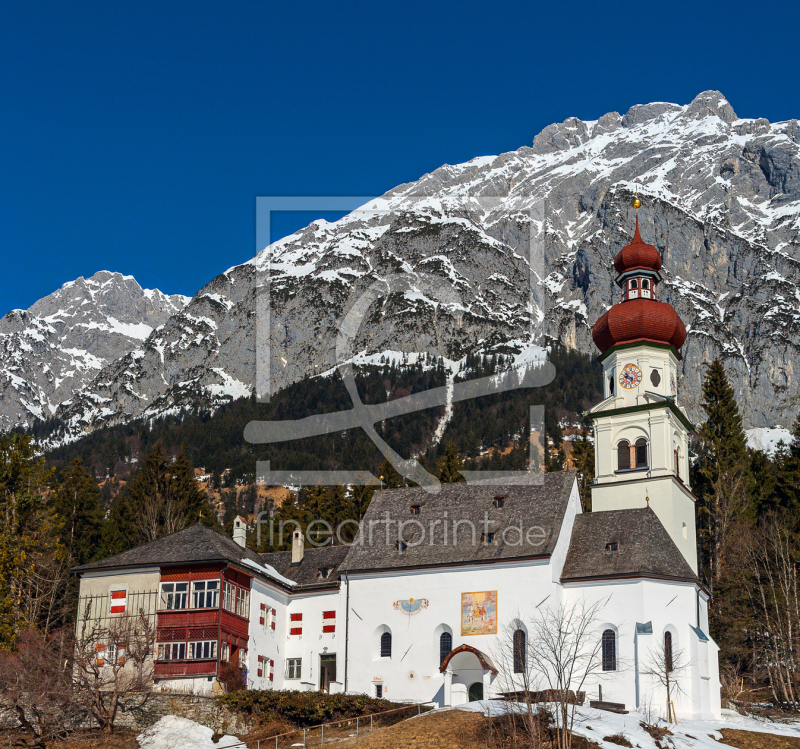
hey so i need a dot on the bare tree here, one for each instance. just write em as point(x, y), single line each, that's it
point(776, 607)
point(562, 651)
point(113, 661)
point(667, 664)
point(36, 684)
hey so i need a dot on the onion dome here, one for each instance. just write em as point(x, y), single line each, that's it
point(637, 255)
point(639, 320)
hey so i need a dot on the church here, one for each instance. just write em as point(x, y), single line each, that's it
point(437, 589)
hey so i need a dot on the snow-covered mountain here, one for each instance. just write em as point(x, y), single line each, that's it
point(721, 200)
point(60, 344)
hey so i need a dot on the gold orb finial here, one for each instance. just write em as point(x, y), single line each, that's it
point(637, 203)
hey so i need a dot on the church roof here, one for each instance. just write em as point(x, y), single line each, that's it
point(643, 548)
point(307, 572)
point(194, 544)
point(528, 505)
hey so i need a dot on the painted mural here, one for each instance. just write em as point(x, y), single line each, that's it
point(411, 606)
point(479, 613)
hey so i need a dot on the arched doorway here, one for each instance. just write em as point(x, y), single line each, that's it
point(476, 691)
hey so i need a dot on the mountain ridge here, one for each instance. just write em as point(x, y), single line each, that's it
point(721, 201)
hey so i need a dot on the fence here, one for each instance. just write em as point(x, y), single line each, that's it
point(334, 730)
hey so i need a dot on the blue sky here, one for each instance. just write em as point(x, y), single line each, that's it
point(136, 136)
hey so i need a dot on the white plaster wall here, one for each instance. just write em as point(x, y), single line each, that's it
point(667, 605)
point(263, 639)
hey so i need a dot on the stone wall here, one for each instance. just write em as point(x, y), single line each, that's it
point(139, 714)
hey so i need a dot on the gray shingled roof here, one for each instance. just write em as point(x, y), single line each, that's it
point(529, 505)
point(194, 544)
point(645, 549)
point(306, 573)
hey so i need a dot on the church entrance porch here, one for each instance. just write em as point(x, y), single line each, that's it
point(468, 675)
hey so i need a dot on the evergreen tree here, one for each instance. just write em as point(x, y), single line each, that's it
point(450, 465)
point(76, 502)
point(583, 458)
point(390, 478)
point(722, 467)
point(786, 491)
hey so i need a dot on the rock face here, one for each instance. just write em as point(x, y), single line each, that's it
point(60, 344)
point(448, 261)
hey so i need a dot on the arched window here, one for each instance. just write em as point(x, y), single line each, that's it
point(609, 643)
point(668, 664)
point(641, 453)
point(624, 455)
point(445, 646)
point(677, 463)
point(520, 647)
point(645, 284)
point(386, 645)
point(634, 283)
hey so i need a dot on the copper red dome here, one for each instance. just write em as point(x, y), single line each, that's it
point(639, 320)
point(637, 255)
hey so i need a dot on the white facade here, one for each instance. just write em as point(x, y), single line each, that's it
point(641, 389)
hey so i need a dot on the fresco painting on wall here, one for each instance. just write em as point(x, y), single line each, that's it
point(479, 613)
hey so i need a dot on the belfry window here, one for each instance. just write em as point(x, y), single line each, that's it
point(645, 284)
point(624, 456)
point(641, 453)
point(634, 284)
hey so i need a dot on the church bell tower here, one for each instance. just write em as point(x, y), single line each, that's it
point(640, 431)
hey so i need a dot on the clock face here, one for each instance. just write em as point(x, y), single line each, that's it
point(630, 376)
point(672, 386)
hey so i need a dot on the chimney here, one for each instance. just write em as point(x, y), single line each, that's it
point(298, 546)
point(240, 531)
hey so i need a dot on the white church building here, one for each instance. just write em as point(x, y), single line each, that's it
point(423, 605)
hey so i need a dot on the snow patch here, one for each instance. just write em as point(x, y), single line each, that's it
point(172, 732)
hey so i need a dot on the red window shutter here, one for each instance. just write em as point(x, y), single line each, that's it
point(260, 673)
point(261, 620)
point(297, 617)
point(329, 628)
point(273, 625)
point(271, 664)
point(271, 677)
point(118, 599)
point(328, 614)
point(263, 606)
point(296, 631)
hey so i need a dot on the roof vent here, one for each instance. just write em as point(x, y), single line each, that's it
point(240, 531)
point(298, 546)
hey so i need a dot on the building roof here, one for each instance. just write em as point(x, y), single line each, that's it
point(639, 320)
point(637, 255)
point(194, 544)
point(307, 572)
point(538, 509)
point(644, 548)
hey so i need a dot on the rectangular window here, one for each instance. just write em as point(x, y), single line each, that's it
point(225, 652)
point(205, 650)
point(205, 594)
point(379, 691)
point(271, 670)
point(260, 671)
point(99, 650)
point(171, 651)
point(227, 596)
point(243, 602)
point(173, 596)
point(118, 600)
point(293, 668)
point(274, 619)
point(242, 658)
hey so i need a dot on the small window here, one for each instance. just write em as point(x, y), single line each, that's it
point(609, 650)
point(655, 378)
point(634, 283)
point(224, 652)
point(499, 501)
point(641, 453)
point(487, 538)
point(171, 651)
point(445, 646)
point(520, 645)
point(416, 509)
point(401, 546)
point(205, 594)
point(645, 283)
point(624, 455)
point(324, 573)
point(386, 645)
point(379, 691)
point(205, 650)
point(613, 546)
point(293, 668)
point(611, 385)
point(173, 596)
point(668, 663)
point(676, 457)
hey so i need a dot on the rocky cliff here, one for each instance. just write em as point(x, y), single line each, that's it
point(448, 262)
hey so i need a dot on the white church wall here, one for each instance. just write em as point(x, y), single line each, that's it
point(412, 671)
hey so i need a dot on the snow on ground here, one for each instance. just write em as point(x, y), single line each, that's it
point(172, 732)
point(702, 734)
point(766, 438)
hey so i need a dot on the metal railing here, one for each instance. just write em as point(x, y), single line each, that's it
point(311, 739)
